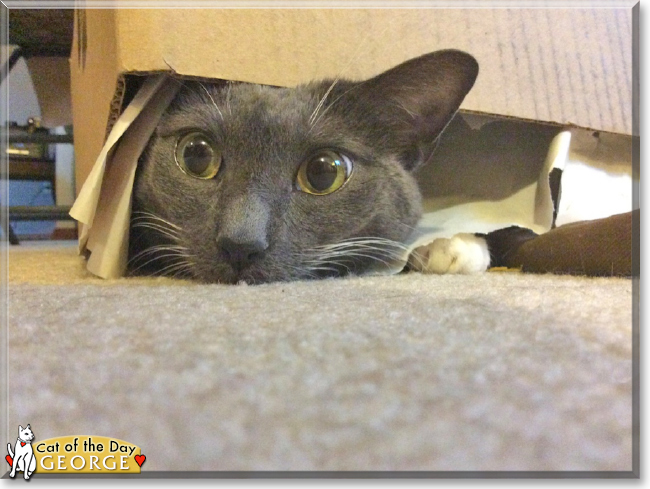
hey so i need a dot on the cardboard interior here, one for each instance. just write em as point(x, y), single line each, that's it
point(571, 67)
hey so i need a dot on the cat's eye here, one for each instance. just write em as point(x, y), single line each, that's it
point(324, 173)
point(197, 156)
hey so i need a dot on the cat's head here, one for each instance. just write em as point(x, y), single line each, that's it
point(25, 434)
point(256, 183)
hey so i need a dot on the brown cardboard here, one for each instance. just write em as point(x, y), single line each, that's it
point(571, 66)
point(51, 79)
point(93, 75)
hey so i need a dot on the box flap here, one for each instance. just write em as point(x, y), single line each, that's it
point(103, 207)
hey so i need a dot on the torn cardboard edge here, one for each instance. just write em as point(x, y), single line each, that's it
point(103, 207)
point(121, 95)
point(124, 90)
point(568, 126)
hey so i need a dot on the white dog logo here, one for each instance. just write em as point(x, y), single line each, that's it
point(22, 458)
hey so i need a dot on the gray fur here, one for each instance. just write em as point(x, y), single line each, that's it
point(386, 125)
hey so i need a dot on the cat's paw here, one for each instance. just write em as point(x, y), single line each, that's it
point(463, 253)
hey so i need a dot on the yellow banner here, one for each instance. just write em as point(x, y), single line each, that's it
point(87, 455)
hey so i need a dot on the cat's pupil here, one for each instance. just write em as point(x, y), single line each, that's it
point(197, 156)
point(322, 172)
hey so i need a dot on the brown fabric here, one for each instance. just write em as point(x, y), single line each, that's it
point(602, 247)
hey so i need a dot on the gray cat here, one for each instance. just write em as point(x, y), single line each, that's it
point(243, 182)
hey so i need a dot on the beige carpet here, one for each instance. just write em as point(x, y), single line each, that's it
point(501, 371)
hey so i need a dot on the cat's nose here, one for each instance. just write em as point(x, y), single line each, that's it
point(240, 254)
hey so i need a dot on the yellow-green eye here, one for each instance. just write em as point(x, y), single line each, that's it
point(324, 173)
point(197, 156)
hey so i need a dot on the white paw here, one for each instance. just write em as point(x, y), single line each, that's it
point(463, 253)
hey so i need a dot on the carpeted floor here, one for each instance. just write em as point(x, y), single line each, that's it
point(500, 371)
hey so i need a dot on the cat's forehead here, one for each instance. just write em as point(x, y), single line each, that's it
point(239, 108)
point(248, 119)
point(272, 99)
point(232, 100)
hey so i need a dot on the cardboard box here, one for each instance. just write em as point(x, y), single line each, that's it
point(567, 66)
point(572, 66)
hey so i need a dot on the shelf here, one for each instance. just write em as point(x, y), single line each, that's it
point(37, 137)
point(35, 170)
point(40, 213)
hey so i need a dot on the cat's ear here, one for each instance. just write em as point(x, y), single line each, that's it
point(414, 101)
point(20, 427)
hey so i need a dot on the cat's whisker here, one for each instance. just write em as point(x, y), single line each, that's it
point(153, 249)
point(182, 274)
point(156, 257)
point(160, 252)
point(346, 251)
point(322, 101)
point(409, 112)
point(151, 260)
point(382, 244)
point(170, 238)
point(344, 69)
point(315, 123)
point(364, 255)
point(212, 99)
point(166, 254)
point(301, 271)
point(175, 269)
point(162, 230)
point(411, 228)
point(140, 215)
point(228, 98)
point(327, 269)
point(342, 254)
point(419, 260)
point(319, 261)
point(147, 220)
point(351, 255)
point(325, 260)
